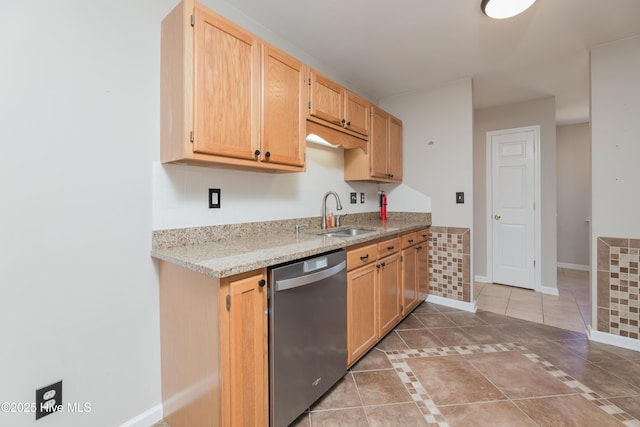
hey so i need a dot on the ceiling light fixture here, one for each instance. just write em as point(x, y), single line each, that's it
point(501, 9)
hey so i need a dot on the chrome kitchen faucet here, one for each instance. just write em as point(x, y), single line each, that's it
point(324, 207)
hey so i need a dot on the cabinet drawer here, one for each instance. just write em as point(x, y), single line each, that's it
point(388, 247)
point(409, 239)
point(361, 256)
point(423, 235)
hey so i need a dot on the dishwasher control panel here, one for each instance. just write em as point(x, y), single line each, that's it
point(315, 264)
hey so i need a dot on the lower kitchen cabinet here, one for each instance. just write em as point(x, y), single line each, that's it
point(415, 269)
point(373, 295)
point(386, 281)
point(213, 348)
point(410, 294)
point(389, 292)
point(244, 350)
point(362, 333)
point(423, 263)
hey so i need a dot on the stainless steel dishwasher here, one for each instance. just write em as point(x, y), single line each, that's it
point(307, 333)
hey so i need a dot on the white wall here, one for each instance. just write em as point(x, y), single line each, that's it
point(573, 194)
point(615, 164)
point(79, 127)
point(434, 173)
point(79, 131)
point(180, 196)
point(536, 112)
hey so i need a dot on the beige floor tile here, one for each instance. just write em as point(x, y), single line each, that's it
point(528, 306)
point(525, 315)
point(496, 290)
point(520, 293)
point(492, 303)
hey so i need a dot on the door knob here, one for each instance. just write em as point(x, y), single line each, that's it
point(497, 216)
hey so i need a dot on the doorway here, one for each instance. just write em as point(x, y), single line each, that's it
point(513, 192)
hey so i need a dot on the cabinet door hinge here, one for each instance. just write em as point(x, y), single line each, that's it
point(401, 258)
point(191, 136)
point(534, 263)
point(193, 21)
point(309, 81)
point(228, 302)
point(309, 105)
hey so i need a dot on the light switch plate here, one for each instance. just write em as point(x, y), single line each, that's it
point(214, 198)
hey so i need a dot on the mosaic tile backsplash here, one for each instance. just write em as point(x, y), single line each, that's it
point(618, 286)
point(449, 263)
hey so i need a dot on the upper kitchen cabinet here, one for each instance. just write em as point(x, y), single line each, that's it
point(227, 97)
point(383, 161)
point(332, 107)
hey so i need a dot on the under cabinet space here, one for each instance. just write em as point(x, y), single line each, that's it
point(383, 160)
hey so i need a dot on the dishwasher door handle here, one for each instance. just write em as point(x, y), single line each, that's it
point(285, 284)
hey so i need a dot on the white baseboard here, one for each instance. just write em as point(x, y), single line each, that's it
point(549, 290)
point(483, 279)
point(146, 419)
point(574, 266)
point(461, 305)
point(617, 340)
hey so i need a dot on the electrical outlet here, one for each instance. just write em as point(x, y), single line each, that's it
point(460, 197)
point(354, 198)
point(361, 197)
point(48, 399)
point(214, 198)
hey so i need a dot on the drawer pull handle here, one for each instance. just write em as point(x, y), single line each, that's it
point(390, 248)
point(362, 258)
point(410, 240)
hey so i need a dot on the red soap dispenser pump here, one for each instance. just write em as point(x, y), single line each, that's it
point(383, 206)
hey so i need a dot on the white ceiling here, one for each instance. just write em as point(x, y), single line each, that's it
point(390, 47)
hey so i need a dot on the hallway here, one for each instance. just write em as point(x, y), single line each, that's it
point(570, 310)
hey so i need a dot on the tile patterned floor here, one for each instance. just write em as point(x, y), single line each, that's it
point(570, 310)
point(444, 367)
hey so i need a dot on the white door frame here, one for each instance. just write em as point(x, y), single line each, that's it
point(537, 284)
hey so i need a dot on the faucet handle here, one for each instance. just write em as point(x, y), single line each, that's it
point(299, 226)
point(338, 219)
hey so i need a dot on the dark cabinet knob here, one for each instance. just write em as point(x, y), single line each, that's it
point(343, 121)
point(348, 123)
point(267, 154)
point(262, 282)
point(382, 264)
point(257, 152)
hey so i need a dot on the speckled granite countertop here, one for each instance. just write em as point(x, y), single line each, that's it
point(222, 251)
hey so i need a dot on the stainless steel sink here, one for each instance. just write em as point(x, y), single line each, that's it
point(347, 232)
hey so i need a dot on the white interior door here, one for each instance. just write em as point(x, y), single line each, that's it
point(513, 196)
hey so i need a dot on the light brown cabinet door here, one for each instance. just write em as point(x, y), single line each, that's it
point(409, 279)
point(361, 311)
point(326, 99)
point(357, 113)
point(378, 143)
point(225, 87)
point(389, 293)
point(423, 269)
point(244, 352)
point(283, 114)
point(395, 149)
